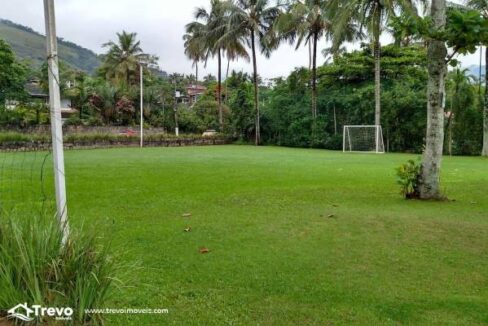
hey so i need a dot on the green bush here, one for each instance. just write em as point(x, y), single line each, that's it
point(16, 138)
point(36, 269)
point(73, 121)
point(13, 137)
point(408, 177)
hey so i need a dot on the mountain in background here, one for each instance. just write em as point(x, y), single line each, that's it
point(29, 45)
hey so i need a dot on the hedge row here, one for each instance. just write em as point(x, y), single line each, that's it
point(18, 141)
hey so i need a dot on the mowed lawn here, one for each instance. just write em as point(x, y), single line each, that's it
point(296, 236)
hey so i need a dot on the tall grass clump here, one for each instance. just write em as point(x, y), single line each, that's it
point(36, 269)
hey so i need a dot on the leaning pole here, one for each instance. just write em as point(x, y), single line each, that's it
point(56, 122)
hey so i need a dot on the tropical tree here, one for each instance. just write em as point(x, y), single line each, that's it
point(79, 93)
point(253, 20)
point(429, 185)
point(12, 74)
point(482, 6)
point(103, 99)
point(373, 15)
point(123, 58)
point(459, 88)
point(195, 45)
point(307, 21)
point(207, 37)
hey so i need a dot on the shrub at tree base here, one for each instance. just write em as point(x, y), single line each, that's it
point(408, 177)
point(36, 269)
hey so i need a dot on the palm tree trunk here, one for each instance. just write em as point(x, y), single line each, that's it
point(256, 89)
point(219, 91)
point(429, 186)
point(196, 72)
point(309, 55)
point(377, 69)
point(485, 109)
point(314, 77)
point(227, 77)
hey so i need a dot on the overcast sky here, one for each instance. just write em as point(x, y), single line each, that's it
point(159, 24)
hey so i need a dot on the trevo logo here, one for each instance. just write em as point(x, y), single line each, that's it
point(26, 313)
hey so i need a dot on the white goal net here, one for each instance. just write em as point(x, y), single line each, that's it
point(363, 139)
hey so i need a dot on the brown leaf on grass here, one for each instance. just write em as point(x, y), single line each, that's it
point(204, 250)
point(186, 215)
point(331, 216)
point(188, 229)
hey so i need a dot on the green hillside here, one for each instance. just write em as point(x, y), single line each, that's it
point(30, 45)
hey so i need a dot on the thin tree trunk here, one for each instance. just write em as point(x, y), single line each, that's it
point(479, 72)
point(219, 91)
point(485, 109)
point(448, 140)
point(256, 89)
point(314, 78)
point(377, 74)
point(196, 72)
point(335, 120)
point(429, 185)
point(449, 127)
point(309, 56)
point(227, 77)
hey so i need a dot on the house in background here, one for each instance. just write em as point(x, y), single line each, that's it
point(194, 92)
point(37, 94)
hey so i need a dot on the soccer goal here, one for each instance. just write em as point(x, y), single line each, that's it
point(363, 139)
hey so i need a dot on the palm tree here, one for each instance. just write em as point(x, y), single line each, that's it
point(234, 49)
point(373, 15)
point(482, 6)
point(195, 45)
point(253, 20)
point(429, 185)
point(206, 38)
point(123, 59)
point(307, 21)
point(79, 92)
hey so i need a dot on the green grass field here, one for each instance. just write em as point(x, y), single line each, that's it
point(296, 236)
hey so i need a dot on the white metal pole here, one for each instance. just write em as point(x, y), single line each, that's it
point(377, 139)
point(142, 106)
point(344, 140)
point(56, 122)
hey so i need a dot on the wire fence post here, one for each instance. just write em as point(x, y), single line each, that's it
point(56, 122)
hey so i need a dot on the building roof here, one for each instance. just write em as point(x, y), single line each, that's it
point(34, 89)
point(195, 90)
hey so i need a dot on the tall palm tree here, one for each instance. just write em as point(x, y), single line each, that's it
point(307, 21)
point(253, 20)
point(372, 15)
point(234, 49)
point(207, 34)
point(195, 47)
point(437, 70)
point(482, 6)
point(123, 58)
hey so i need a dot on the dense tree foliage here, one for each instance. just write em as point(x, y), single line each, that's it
point(12, 75)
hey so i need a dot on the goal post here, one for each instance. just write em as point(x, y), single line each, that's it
point(363, 139)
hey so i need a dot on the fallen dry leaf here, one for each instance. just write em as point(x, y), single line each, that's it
point(188, 229)
point(204, 250)
point(186, 215)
